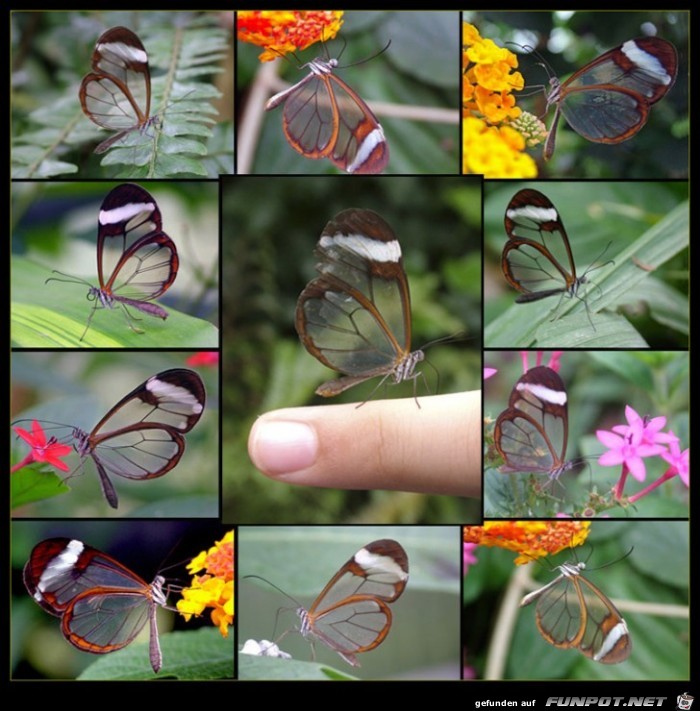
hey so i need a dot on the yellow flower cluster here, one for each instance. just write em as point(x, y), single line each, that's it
point(530, 539)
point(282, 32)
point(491, 146)
point(214, 588)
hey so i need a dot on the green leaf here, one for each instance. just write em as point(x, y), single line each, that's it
point(269, 668)
point(629, 367)
point(197, 655)
point(35, 483)
point(41, 318)
point(424, 44)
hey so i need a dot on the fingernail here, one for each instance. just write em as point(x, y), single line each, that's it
point(283, 447)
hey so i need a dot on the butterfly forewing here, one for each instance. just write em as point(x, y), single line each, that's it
point(102, 604)
point(359, 146)
point(117, 93)
point(531, 434)
point(136, 260)
point(351, 615)
point(537, 259)
point(355, 318)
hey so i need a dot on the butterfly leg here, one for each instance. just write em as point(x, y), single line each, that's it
point(89, 321)
point(130, 319)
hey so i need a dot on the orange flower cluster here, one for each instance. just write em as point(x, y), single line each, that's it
point(491, 145)
point(282, 32)
point(530, 539)
point(214, 588)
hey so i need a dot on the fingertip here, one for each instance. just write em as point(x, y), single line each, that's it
point(279, 447)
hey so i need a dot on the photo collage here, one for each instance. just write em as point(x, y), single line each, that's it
point(351, 345)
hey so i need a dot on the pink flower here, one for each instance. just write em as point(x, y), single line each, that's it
point(679, 461)
point(554, 357)
point(488, 372)
point(468, 557)
point(42, 450)
point(628, 448)
point(650, 428)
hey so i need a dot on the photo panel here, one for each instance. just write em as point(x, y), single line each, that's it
point(584, 434)
point(115, 265)
point(608, 89)
point(580, 601)
point(137, 94)
point(288, 303)
point(586, 264)
point(363, 92)
point(104, 584)
point(114, 434)
point(374, 602)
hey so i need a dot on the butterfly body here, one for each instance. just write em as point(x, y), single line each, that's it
point(102, 604)
point(609, 99)
point(324, 118)
point(356, 316)
point(572, 612)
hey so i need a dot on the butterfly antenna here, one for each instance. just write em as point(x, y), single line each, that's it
point(272, 585)
point(366, 59)
point(70, 279)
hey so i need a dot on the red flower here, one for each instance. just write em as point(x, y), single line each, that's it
point(42, 450)
point(203, 358)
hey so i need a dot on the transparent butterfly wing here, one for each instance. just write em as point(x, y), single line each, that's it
point(117, 94)
point(355, 318)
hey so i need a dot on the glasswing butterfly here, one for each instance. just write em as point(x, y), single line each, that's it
point(356, 317)
point(101, 603)
point(351, 614)
point(325, 118)
point(141, 437)
point(572, 613)
point(609, 99)
point(532, 433)
point(537, 259)
point(136, 261)
point(116, 95)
